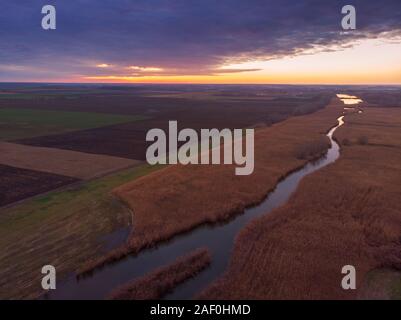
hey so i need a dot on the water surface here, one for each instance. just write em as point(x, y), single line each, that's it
point(348, 99)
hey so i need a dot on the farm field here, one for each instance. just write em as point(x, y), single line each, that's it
point(346, 213)
point(18, 123)
point(87, 131)
point(52, 167)
point(63, 162)
point(114, 120)
point(17, 184)
point(127, 139)
point(64, 228)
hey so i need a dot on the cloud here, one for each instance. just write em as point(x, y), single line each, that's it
point(145, 69)
point(176, 36)
point(103, 65)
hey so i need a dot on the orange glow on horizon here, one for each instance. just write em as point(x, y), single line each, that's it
point(370, 61)
point(253, 79)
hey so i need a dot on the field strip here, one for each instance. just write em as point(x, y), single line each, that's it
point(63, 162)
point(24, 123)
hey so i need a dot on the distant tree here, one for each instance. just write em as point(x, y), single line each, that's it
point(346, 142)
point(312, 149)
point(363, 140)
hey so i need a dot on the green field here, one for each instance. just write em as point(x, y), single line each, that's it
point(28, 123)
point(62, 228)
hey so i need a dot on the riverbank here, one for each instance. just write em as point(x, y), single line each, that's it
point(158, 283)
point(347, 213)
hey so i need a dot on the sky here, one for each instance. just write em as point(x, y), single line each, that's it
point(202, 41)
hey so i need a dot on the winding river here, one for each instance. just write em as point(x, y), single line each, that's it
point(218, 238)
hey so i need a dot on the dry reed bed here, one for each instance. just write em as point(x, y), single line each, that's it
point(158, 283)
point(347, 213)
point(179, 198)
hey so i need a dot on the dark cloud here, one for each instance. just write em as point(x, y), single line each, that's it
point(182, 37)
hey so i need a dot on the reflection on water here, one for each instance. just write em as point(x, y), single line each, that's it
point(218, 238)
point(347, 99)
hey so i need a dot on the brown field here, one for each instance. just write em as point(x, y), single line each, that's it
point(158, 283)
point(127, 140)
point(17, 184)
point(62, 162)
point(346, 213)
point(179, 198)
point(131, 101)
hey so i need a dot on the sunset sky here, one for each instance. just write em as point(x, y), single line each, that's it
point(187, 41)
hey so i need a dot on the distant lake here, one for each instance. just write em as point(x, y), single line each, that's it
point(347, 99)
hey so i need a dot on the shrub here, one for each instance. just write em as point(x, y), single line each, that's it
point(312, 149)
point(156, 284)
point(363, 140)
point(346, 142)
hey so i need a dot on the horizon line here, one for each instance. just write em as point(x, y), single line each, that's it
point(195, 83)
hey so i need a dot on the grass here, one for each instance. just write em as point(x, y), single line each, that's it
point(345, 213)
point(158, 283)
point(60, 228)
point(381, 284)
point(396, 288)
point(17, 184)
point(21, 123)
